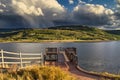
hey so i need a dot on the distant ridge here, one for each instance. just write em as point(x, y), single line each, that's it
point(72, 27)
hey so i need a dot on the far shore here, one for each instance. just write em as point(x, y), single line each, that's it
point(54, 41)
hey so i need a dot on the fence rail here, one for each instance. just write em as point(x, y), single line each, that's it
point(20, 58)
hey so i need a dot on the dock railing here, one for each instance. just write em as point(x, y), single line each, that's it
point(20, 59)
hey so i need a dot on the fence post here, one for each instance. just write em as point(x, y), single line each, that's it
point(2, 54)
point(21, 64)
point(42, 56)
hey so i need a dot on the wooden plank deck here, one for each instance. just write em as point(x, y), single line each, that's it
point(64, 63)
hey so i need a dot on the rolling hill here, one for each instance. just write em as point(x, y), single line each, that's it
point(58, 33)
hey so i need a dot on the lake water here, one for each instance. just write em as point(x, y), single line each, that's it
point(93, 56)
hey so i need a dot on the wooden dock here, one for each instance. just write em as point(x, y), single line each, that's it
point(65, 64)
point(71, 68)
point(68, 61)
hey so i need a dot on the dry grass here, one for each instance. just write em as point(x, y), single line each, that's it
point(38, 73)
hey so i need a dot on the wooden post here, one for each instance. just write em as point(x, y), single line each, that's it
point(42, 60)
point(2, 54)
point(21, 64)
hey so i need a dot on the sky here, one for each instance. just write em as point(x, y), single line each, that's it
point(104, 14)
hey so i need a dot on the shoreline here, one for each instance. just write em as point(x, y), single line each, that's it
point(56, 41)
point(104, 75)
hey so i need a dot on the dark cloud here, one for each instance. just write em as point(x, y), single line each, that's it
point(13, 21)
point(40, 13)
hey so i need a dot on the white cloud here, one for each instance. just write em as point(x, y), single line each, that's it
point(95, 9)
point(117, 14)
point(71, 2)
point(23, 8)
point(1, 10)
point(3, 5)
point(37, 7)
point(118, 5)
point(93, 14)
point(81, 2)
point(46, 10)
point(54, 14)
point(89, 9)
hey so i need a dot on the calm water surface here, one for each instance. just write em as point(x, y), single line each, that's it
point(95, 56)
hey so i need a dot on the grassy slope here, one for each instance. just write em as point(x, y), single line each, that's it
point(59, 33)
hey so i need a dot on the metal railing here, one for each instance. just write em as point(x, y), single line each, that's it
point(20, 59)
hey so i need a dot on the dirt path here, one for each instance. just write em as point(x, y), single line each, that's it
point(73, 70)
point(80, 75)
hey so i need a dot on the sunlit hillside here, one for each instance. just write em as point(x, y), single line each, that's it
point(58, 33)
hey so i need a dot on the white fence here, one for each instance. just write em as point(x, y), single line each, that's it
point(20, 59)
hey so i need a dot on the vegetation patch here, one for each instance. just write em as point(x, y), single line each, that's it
point(108, 75)
point(38, 73)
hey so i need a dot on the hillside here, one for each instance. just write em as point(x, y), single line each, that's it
point(58, 33)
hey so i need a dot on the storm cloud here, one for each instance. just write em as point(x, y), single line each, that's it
point(45, 13)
